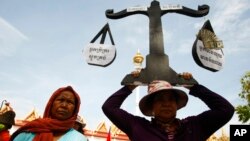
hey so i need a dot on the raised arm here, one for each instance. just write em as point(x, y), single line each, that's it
point(221, 111)
point(112, 109)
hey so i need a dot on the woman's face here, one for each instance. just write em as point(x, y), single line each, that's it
point(63, 106)
point(164, 106)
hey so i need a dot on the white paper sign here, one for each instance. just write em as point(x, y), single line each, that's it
point(171, 7)
point(99, 54)
point(211, 58)
point(137, 8)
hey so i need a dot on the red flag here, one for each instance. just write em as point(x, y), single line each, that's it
point(109, 135)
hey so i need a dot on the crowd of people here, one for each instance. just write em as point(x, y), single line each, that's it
point(61, 120)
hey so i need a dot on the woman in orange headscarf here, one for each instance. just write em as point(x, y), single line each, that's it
point(57, 122)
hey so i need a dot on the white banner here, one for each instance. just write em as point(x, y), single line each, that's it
point(137, 8)
point(171, 7)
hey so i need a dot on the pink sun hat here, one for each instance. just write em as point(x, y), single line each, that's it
point(156, 86)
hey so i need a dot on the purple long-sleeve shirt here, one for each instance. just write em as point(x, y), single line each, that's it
point(193, 128)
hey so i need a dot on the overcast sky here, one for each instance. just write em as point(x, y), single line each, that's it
point(41, 45)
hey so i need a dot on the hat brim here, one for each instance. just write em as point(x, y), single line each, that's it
point(145, 103)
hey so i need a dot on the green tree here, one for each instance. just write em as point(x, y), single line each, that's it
point(243, 111)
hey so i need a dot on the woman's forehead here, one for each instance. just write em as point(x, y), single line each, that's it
point(67, 94)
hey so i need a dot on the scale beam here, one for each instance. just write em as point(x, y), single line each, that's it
point(157, 62)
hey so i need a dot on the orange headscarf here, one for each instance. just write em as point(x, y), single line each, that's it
point(46, 126)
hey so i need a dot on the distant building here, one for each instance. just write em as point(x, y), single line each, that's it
point(223, 137)
point(101, 132)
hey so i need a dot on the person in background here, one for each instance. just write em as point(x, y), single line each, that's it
point(7, 119)
point(161, 104)
point(58, 120)
point(79, 124)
